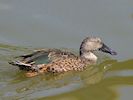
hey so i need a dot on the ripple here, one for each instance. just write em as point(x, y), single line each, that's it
point(120, 73)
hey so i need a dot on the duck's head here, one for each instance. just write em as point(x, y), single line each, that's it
point(91, 44)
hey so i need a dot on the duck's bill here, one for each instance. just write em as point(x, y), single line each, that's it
point(106, 49)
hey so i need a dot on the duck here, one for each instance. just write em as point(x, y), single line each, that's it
point(63, 61)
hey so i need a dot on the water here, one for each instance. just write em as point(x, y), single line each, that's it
point(26, 25)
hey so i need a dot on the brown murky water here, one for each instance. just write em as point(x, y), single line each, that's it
point(25, 25)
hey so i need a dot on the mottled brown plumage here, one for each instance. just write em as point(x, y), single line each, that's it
point(63, 61)
point(62, 65)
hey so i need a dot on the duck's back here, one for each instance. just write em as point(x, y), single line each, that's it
point(52, 54)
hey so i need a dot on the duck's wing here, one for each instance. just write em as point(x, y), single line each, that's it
point(28, 59)
point(52, 54)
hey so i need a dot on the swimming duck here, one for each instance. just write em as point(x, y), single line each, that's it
point(63, 61)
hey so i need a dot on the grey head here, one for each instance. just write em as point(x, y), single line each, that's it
point(91, 44)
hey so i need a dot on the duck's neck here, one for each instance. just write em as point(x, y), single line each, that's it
point(89, 56)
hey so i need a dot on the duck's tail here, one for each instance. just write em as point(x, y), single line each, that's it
point(24, 66)
point(27, 62)
point(32, 69)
